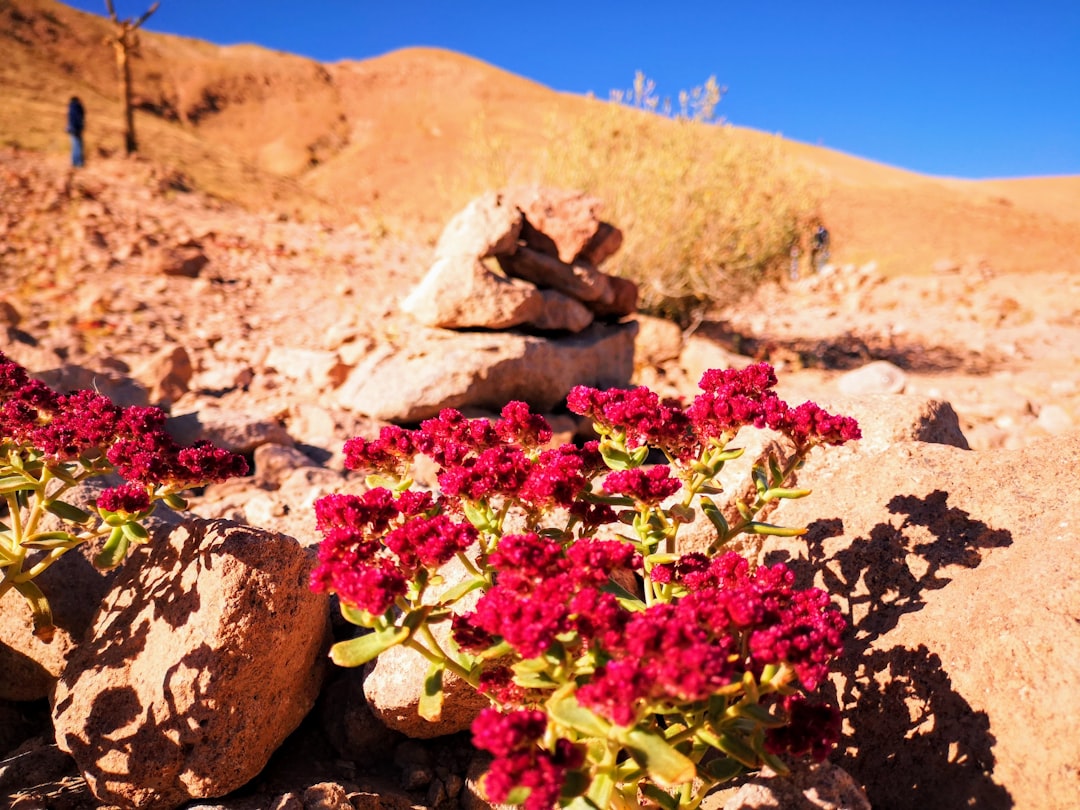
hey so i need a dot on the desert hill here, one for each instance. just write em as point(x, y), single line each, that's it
point(397, 138)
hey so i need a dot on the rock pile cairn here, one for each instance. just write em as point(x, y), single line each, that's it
point(548, 244)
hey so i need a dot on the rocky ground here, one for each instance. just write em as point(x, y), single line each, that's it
point(107, 272)
point(107, 267)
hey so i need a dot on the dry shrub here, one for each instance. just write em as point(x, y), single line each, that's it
point(708, 211)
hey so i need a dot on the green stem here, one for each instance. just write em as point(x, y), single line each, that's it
point(759, 504)
point(435, 653)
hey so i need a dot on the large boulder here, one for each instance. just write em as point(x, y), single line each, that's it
point(208, 654)
point(957, 572)
point(439, 370)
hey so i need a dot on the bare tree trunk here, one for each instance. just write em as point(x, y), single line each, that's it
point(124, 41)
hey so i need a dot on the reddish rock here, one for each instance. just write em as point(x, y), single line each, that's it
point(185, 260)
point(583, 282)
point(604, 244)
point(559, 222)
point(208, 654)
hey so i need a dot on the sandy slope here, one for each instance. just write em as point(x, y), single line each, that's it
point(390, 139)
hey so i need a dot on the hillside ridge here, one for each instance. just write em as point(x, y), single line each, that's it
point(387, 137)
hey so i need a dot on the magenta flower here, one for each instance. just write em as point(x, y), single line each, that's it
point(529, 622)
point(369, 586)
point(519, 425)
point(451, 438)
point(638, 413)
point(519, 761)
point(812, 729)
point(500, 470)
point(390, 454)
point(429, 541)
point(127, 498)
point(650, 485)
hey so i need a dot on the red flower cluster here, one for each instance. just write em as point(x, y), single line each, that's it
point(650, 485)
point(733, 398)
point(520, 762)
point(543, 590)
point(730, 399)
point(687, 650)
point(86, 425)
point(812, 728)
point(374, 544)
point(482, 459)
point(637, 413)
point(127, 498)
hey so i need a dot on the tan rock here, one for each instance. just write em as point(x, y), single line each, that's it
point(394, 682)
point(231, 429)
point(878, 377)
point(318, 368)
point(208, 655)
point(459, 292)
point(186, 260)
point(954, 567)
point(75, 590)
point(884, 420)
point(476, 370)
point(821, 786)
point(488, 226)
point(167, 375)
point(658, 340)
point(699, 354)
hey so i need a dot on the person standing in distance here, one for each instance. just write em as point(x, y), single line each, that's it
point(75, 122)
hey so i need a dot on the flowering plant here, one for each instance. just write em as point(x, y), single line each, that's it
point(619, 670)
point(50, 443)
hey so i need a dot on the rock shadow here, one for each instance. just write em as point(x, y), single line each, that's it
point(850, 351)
point(910, 737)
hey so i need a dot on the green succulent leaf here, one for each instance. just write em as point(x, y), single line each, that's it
point(451, 595)
point(174, 501)
point(114, 550)
point(50, 540)
point(39, 605)
point(360, 650)
point(660, 797)
point(16, 483)
point(431, 699)
point(780, 492)
point(715, 516)
point(722, 769)
point(564, 708)
point(774, 469)
point(737, 748)
point(615, 458)
point(776, 531)
point(136, 532)
point(665, 765)
point(777, 764)
point(68, 512)
point(355, 615)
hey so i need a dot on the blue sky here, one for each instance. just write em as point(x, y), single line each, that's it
point(951, 88)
